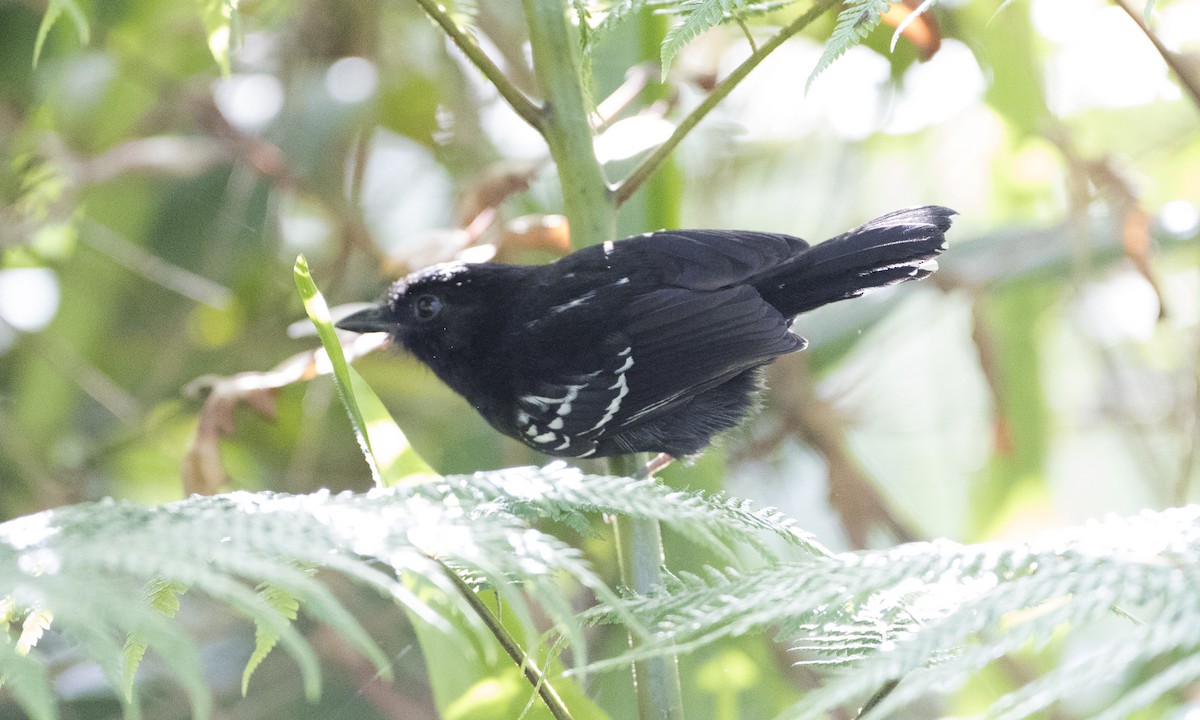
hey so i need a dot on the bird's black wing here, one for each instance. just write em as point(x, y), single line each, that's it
point(655, 350)
point(696, 259)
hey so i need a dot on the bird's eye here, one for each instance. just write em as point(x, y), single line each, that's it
point(426, 307)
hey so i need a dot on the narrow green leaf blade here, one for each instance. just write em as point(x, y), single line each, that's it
point(399, 463)
point(392, 459)
point(221, 23)
point(318, 312)
point(53, 11)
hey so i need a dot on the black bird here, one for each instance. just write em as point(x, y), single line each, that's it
point(651, 343)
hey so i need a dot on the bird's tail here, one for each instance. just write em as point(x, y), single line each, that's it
point(890, 249)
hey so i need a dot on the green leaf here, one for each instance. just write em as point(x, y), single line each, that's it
point(399, 463)
point(162, 595)
point(385, 447)
point(265, 636)
point(223, 27)
point(698, 16)
point(933, 613)
point(854, 23)
point(53, 11)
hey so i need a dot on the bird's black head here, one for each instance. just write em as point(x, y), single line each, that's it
point(446, 315)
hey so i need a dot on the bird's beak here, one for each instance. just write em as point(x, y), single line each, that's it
point(371, 320)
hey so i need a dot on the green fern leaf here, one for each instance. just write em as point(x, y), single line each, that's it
point(162, 595)
point(854, 23)
point(930, 614)
point(614, 14)
point(265, 637)
point(698, 16)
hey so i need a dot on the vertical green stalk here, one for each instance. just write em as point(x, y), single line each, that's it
point(587, 201)
point(640, 555)
point(590, 208)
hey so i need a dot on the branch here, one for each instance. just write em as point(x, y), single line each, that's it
point(587, 202)
point(648, 166)
point(528, 667)
point(522, 105)
point(1190, 82)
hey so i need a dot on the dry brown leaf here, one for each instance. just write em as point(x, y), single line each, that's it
point(202, 471)
point(546, 233)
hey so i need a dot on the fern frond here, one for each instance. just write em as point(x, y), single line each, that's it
point(697, 16)
point(90, 564)
point(928, 614)
point(615, 13)
point(854, 23)
point(162, 595)
point(563, 493)
point(288, 607)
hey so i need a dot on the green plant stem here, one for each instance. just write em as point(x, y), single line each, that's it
point(879, 696)
point(646, 168)
point(522, 105)
point(640, 555)
point(528, 667)
point(587, 201)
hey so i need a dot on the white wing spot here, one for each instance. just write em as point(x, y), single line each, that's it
point(556, 424)
point(565, 444)
point(542, 402)
point(574, 303)
point(625, 352)
point(531, 430)
point(608, 247)
point(628, 364)
point(545, 438)
point(622, 388)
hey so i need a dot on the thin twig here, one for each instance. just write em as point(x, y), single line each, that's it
point(1190, 82)
point(877, 698)
point(528, 667)
point(746, 31)
point(646, 168)
point(522, 105)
